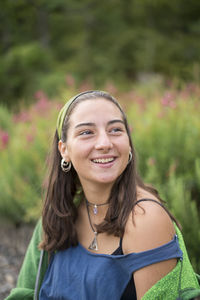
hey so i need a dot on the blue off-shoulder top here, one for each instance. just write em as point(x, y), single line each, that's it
point(78, 274)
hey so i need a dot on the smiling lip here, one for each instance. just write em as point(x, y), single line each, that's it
point(104, 160)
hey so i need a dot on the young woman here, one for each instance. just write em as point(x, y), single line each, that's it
point(104, 233)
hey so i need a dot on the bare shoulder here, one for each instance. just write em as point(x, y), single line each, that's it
point(148, 226)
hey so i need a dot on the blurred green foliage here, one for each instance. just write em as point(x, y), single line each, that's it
point(20, 68)
point(42, 39)
point(166, 132)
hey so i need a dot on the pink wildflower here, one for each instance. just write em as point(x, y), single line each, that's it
point(30, 138)
point(164, 101)
point(23, 117)
point(111, 88)
point(141, 102)
point(85, 86)
point(70, 80)
point(168, 100)
point(40, 95)
point(4, 138)
point(58, 106)
point(42, 105)
point(172, 104)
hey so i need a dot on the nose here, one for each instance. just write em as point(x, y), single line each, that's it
point(103, 142)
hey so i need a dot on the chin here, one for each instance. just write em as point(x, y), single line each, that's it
point(107, 180)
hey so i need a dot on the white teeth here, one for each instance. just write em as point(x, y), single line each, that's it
point(103, 160)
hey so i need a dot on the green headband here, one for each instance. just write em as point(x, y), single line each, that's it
point(64, 110)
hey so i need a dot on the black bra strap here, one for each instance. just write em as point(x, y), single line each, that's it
point(120, 243)
point(152, 200)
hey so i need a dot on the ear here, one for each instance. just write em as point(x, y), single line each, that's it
point(62, 147)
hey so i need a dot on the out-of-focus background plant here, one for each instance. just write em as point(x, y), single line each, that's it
point(99, 40)
point(145, 53)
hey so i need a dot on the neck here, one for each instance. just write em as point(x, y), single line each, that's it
point(97, 195)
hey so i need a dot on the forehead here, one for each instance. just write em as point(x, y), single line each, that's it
point(91, 109)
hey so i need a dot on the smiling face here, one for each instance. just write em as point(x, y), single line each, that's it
point(97, 142)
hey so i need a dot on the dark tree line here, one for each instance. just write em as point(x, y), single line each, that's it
point(41, 41)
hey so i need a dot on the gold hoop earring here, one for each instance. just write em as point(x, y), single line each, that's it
point(65, 165)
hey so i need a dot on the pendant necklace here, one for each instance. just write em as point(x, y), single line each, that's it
point(94, 244)
point(95, 206)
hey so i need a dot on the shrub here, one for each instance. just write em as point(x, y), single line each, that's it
point(165, 128)
point(23, 161)
point(19, 69)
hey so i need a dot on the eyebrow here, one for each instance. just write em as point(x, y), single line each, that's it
point(93, 124)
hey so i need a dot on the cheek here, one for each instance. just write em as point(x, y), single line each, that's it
point(124, 145)
point(78, 151)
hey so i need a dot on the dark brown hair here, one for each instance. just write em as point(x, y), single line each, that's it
point(59, 210)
